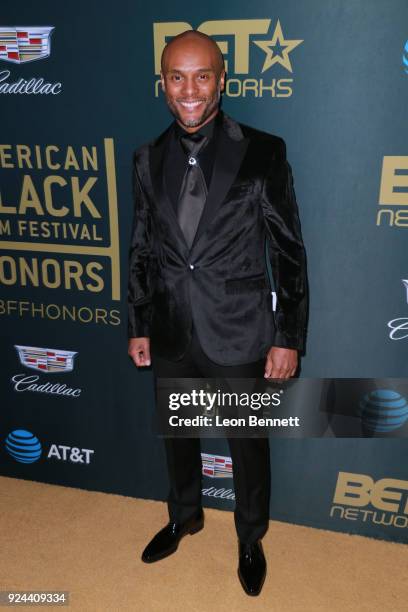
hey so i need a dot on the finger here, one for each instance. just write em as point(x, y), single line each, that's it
point(147, 355)
point(286, 375)
point(142, 360)
point(138, 357)
point(273, 372)
point(283, 373)
point(276, 372)
point(268, 368)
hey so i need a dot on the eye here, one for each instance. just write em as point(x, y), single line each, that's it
point(204, 77)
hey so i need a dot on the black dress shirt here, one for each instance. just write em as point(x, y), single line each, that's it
point(175, 163)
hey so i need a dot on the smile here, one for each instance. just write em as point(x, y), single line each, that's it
point(191, 105)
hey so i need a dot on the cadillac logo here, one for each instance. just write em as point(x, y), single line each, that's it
point(45, 359)
point(216, 466)
point(24, 44)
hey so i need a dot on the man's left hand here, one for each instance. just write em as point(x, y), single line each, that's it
point(281, 362)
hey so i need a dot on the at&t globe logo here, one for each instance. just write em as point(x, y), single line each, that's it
point(383, 410)
point(23, 446)
point(405, 57)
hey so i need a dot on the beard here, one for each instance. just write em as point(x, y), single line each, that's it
point(211, 105)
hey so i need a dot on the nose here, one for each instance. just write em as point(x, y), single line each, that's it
point(190, 87)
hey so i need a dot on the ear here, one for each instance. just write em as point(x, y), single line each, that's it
point(163, 85)
point(222, 80)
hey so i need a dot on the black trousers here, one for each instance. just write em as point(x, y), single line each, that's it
point(250, 456)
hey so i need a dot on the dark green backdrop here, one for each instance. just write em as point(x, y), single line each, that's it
point(346, 111)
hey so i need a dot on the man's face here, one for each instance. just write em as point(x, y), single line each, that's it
point(191, 83)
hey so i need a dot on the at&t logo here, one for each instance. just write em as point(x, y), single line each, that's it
point(383, 410)
point(405, 58)
point(24, 447)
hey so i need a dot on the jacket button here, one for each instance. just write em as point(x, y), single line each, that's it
point(191, 266)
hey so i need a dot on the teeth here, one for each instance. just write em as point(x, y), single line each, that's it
point(190, 104)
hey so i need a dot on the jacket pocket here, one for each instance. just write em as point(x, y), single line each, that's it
point(245, 284)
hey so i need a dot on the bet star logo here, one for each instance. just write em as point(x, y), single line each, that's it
point(277, 49)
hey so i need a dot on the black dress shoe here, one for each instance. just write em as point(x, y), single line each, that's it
point(252, 567)
point(166, 541)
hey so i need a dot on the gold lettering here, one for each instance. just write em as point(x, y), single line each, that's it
point(30, 272)
point(70, 160)
point(80, 197)
point(89, 159)
point(251, 85)
point(73, 270)
point(5, 157)
point(10, 210)
point(5, 227)
point(24, 156)
point(353, 489)
point(48, 150)
point(389, 180)
point(381, 495)
point(29, 197)
point(90, 267)
point(51, 265)
point(11, 278)
point(240, 29)
point(401, 218)
point(48, 181)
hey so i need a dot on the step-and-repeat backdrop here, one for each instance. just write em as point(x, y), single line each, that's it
point(79, 91)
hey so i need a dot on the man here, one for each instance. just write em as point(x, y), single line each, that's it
point(208, 192)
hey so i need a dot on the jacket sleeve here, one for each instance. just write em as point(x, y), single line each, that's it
point(141, 263)
point(286, 253)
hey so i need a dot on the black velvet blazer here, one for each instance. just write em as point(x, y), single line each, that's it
point(222, 282)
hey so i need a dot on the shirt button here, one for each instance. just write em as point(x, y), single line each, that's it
point(191, 266)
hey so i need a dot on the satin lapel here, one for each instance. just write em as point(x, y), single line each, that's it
point(156, 163)
point(229, 156)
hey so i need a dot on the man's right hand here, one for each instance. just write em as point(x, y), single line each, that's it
point(139, 351)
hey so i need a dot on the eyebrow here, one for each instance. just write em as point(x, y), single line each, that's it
point(198, 70)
